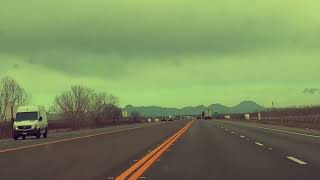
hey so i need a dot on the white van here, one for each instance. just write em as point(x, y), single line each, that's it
point(30, 121)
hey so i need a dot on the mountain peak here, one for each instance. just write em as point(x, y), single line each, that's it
point(248, 102)
point(243, 107)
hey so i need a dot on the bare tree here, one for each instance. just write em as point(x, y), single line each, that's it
point(113, 100)
point(105, 108)
point(74, 104)
point(11, 95)
point(97, 106)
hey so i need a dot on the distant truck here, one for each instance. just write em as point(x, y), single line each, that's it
point(227, 117)
point(207, 115)
point(30, 121)
point(247, 116)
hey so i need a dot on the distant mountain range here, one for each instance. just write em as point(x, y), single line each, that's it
point(243, 107)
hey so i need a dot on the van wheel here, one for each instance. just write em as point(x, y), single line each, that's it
point(23, 137)
point(45, 134)
point(38, 134)
point(15, 137)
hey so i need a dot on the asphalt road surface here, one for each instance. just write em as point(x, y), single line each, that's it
point(223, 150)
point(172, 150)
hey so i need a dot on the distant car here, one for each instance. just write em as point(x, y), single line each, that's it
point(30, 121)
point(163, 119)
point(171, 119)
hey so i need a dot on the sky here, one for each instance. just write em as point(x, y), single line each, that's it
point(171, 53)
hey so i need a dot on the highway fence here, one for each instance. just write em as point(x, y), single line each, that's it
point(311, 121)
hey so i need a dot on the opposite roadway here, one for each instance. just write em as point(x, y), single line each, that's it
point(203, 150)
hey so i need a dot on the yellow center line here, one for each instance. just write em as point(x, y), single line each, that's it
point(150, 158)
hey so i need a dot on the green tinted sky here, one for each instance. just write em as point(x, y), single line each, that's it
point(165, 52)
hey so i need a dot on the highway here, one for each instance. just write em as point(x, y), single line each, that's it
point(167, 150)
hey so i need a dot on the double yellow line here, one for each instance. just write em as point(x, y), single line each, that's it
point(136, 170)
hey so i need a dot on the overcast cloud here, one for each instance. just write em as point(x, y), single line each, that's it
point(161, 52)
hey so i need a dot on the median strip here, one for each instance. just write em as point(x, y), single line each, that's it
point(142, 165)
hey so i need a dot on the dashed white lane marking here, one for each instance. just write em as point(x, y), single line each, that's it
point(296, 160)
point(248, 139)
point(242, 136)
point(232, 132)
point(259, 144)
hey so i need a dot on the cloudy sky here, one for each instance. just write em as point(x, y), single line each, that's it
point(165, 52)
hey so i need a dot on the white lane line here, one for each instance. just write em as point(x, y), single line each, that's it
point(232, 132)
point(242, 136)
point(259, 144)
point(279, 130)
point(73, 138)
point(296, 160)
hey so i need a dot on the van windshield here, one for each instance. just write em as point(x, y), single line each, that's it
point(27, 116)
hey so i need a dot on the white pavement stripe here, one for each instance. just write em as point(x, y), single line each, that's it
point(259, 144)
point(73, 138)
point(242, 136)
point(296, 160)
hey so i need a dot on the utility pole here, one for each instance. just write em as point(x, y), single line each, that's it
point(272, 104)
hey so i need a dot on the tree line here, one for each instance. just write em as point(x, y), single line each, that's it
point(81, 104)
point(78, 106)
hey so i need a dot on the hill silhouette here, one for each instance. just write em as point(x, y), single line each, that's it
point(243, 107)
